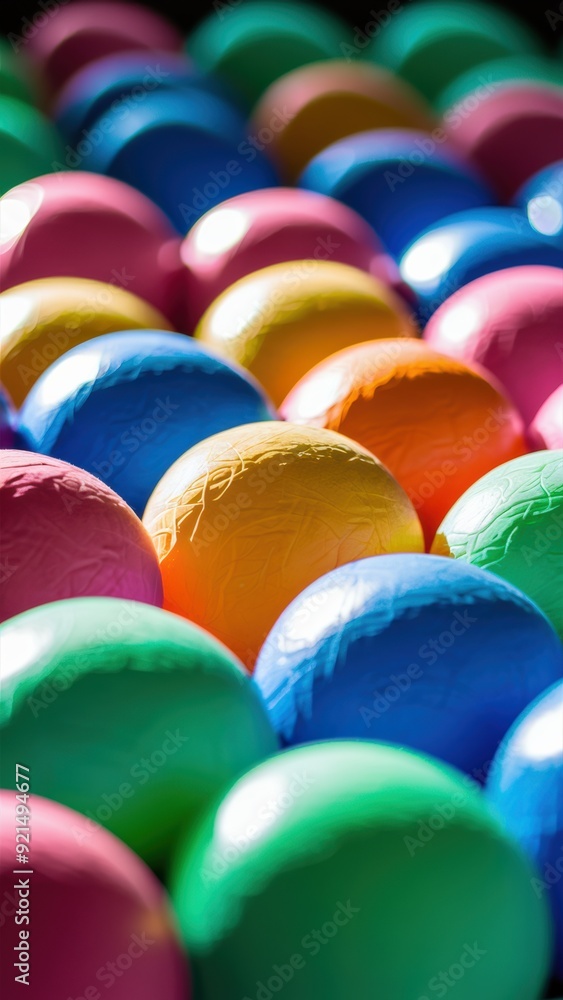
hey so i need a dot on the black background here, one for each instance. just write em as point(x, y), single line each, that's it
point(186, 14)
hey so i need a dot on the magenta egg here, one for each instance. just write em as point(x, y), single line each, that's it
point(83, 225)
point(546, 429)
point(66, 534)
point(81, 912)
point(509, 322)
point(270, 226)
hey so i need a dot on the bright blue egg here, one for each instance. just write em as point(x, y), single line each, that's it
point(541, 198)
point(526, 787)
point(126, 405)
point(110, 88)
point(419, 650)
point(401, 181)
point(187, 150)
point(467, 245)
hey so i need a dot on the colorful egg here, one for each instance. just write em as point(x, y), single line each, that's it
point(465, 246)
point(261, 228)
point(66, 534)
point(41, 320)
point(29, 144)
point(251, 45)
point(404, 880)
point(541, 197)
point(526, 789)
point(280, 321)
point(401, 181)
point(511, 522)
point(126, 405)
point(509, 322)
point(84, 913)
point(490, 76)
point(436, 424)
point(130, 715)
point(82, 225)
point(341, 663)
point(510, 133)
point(248, 518)
point(546, 429)
point(15, 75)
point(436, 41)
point(312, 107)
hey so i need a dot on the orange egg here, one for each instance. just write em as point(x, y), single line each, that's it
point(282, 320)
point(249, 517)
point(436, 424)
point(313, 106)
point(41, 320)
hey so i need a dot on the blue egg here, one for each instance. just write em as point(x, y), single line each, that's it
point(126, 405)
point(467, 245)
point(8, 421)
point(541, 198)
point(186, 149)
point(400, 180)
point(110, 88)
point(419, 650)
point(526, 787)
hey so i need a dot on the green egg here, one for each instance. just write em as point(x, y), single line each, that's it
point(492, 75)
point(29, 144)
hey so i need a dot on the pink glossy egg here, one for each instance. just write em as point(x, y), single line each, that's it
point(75, 35)
point(510, 322)
point(97, 916)
point(84, 225)
point(546, 429)
point(272, 226)
point(66, 534)
point(510, 132)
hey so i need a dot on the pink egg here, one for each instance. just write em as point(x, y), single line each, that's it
point(73, 36)
point(97, 916)
point(84, 225)
point(546, 429)
point(66, 534)
point(272, 226)
point(510, 132)
point(510, 322)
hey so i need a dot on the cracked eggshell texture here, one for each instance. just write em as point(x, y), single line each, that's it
point(66, 534)
point(326, 101)
point(82, 225)
point(546, 429)
point(339, 844)
point(141, 697)
point(91, 902)
point(40, 320)
point(260, 228)
point(283, 319)
point(436, 424)
point(433, 654)
point(511, 522)
point(510, 322)
point(248, 518)
point(526, 788)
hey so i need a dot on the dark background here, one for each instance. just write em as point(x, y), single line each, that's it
point(186, 13)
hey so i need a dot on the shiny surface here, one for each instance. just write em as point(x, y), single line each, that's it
point(280, 321)
point(86, 226)
point(29, 143)
point(126, 405)
point(248, 518)
point(495, 74)
point(511, 522)
point(41, 320)
point(429, 653)
point(66, 534)
point(97, 910)
point(327, 101)
point(526, 788)
point(541, 198)
point(261, 228)
point(546, 429)
point(400, 180)
point(435, 423)
point(360, 864)
point(141, 697)
point(510, 322)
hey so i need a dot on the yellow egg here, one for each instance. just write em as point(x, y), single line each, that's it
point(282, 320)
point(40, 320)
